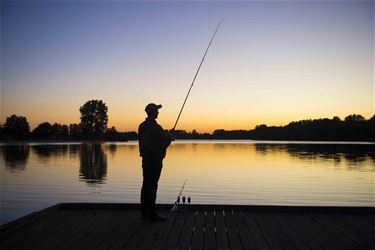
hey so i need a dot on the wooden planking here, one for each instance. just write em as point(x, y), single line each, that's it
point(336, 241)
point(187, 231)
point(26, 220)
point(349, 236)
point(125, 233)
point(30, 236)
point(176, 231)
point(212, 228)
point(221, 231)
point(96, 230)
point(279, 234)
point(107, 231)
point(164, 232)
point(361, 226)
point(232, 231)
point(147, 241)
point(245, 236)
point(125, 226)
point(198, 231)
point(209, 232)
point(69, 228)
point(72, 236)
point(255, 232)
point(271, 240)
point(323, 237)
point(303, 233)
point(292, 235)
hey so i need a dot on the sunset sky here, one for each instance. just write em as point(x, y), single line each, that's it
point(271, 62)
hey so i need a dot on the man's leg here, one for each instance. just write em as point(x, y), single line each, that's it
point(154, 179)
point(145, 191)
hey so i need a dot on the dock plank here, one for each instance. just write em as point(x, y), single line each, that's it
point(100, 242)
point(266, 230)
point(303, 233)
point(126, 226)
point(148, 240)
point(81, 234)
point(321, 235)
point(96, 231)
point(198, 231)
point(30, 236)
point(209, 233)
point(255, 232)
point(289, 231)
point(232, 231)
point(349, 236)
point(245, 236)
point(68, 229)
point(187, 231)
point(164, 232)
point(125, 234)
point(119, 226)
point(221, 231)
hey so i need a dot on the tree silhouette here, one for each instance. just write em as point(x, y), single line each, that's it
point(94, 118)
point(16, 126)
point(44, 130)
point(74, 130)
point(354, 118)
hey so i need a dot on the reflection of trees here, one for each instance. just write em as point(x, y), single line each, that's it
point(46, 152)
point(355, 154)
point(15, 157)
point(112, 148)
point(93, 167)
point(74, 150)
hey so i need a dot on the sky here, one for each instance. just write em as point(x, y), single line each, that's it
point(272, 62)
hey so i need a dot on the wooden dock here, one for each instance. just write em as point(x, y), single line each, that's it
point(119, 226)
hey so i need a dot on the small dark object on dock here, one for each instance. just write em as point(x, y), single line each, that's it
point(98, 226)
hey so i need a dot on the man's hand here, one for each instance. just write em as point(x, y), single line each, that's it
point(171, 134)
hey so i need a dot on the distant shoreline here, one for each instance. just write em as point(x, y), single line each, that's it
point(184, 140)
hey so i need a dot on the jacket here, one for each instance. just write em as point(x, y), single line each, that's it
point(153, 140)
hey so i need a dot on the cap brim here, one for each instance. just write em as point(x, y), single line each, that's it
point(159, 106)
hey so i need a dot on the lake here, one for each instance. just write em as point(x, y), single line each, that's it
point(38, 175)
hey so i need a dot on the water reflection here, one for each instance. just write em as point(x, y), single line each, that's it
point(93, 157)
point(93, 164)
point(15, 157)
point(48, 152)
point(353, 154)
point(112, 148)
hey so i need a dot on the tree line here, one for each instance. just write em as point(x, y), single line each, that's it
point(93, 125)
point(94, 119)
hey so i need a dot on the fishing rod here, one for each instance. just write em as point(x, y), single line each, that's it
point(195, 76)
point(174, 208)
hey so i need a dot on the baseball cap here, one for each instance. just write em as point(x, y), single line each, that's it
point(152, 107)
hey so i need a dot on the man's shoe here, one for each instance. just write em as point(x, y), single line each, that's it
point(156, 217)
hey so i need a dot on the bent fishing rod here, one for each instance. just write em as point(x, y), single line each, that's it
point(196, 74)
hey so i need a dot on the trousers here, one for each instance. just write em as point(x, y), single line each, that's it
point(151, 169)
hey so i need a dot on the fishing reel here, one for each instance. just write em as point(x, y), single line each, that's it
point(181, 204)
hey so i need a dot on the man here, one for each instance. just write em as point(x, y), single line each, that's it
point(153, 144)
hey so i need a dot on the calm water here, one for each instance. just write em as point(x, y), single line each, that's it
point(34, 176)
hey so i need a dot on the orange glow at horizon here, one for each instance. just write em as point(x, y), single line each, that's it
point(290, 61)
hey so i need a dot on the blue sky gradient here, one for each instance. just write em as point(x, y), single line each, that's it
point(271, 62)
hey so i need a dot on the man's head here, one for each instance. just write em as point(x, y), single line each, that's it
point(152, 110)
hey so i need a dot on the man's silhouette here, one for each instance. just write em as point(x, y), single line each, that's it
point(153, 143)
